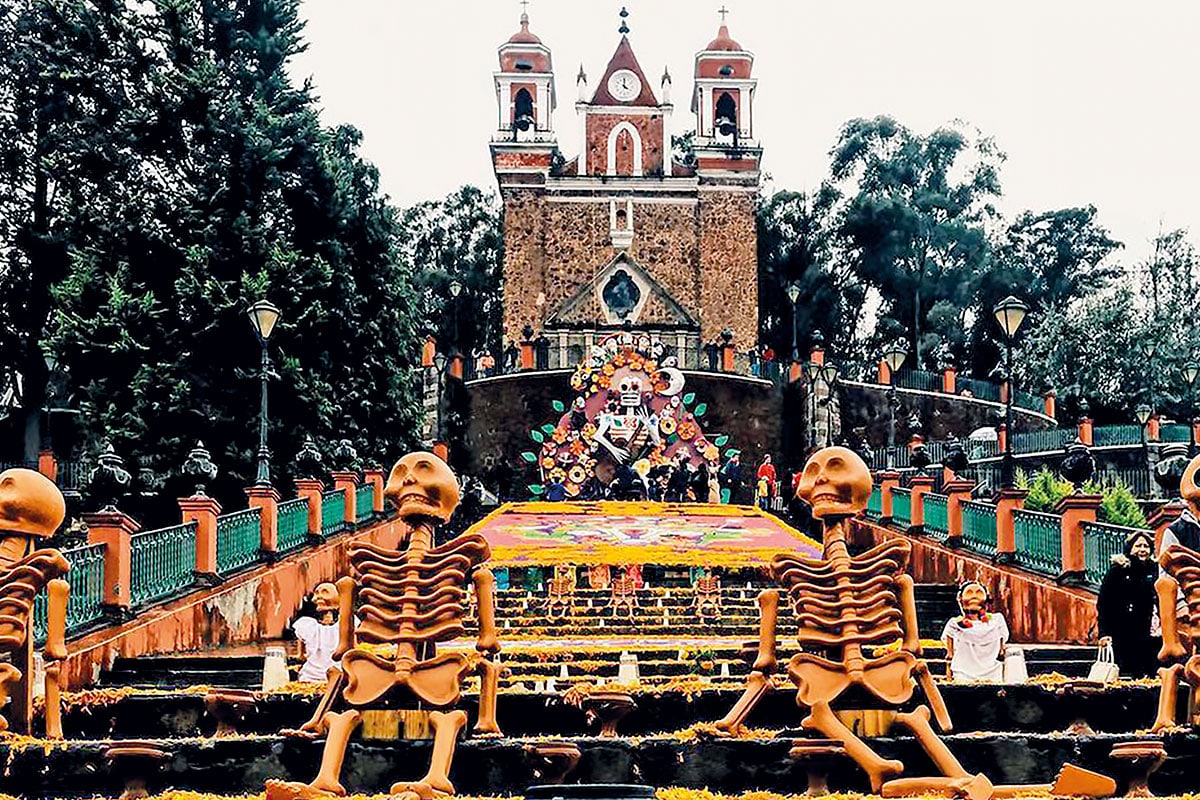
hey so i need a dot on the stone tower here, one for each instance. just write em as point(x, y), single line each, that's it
point(625, 233)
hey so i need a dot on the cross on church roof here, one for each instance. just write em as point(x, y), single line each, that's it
point(624, 28)
point(524, 10)
point(722, 11)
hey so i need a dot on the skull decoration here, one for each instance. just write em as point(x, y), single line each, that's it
point(30, 503)
point(1188, 489)
point(422, 485)
point(325, 597)
point(836, 483)
point(630, 389)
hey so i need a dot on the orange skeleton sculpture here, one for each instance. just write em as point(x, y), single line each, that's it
point(708, 597)
point(1180, 581)
point(412, 598)
point(31, 508)
point(624, 595)
point(844, 604)
point(562, 590)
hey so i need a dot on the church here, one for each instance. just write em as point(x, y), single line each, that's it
point(640, 230)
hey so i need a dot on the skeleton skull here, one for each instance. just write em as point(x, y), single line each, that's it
point(630, 389)
point(836, 483)
point(1188, 489)
point(30, 503)
point(325, 597)
point(422, 485)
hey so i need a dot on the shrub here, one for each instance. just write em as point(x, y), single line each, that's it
point(1045, 490)
point(1118, 506)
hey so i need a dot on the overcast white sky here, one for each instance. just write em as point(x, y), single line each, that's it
point(1093, 102)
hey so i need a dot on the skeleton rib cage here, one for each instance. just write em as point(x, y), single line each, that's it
point(18, 586)
point(1183, 565)
point(415, 600)
point(845, 600)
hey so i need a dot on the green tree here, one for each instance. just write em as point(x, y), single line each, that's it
point(910, 213)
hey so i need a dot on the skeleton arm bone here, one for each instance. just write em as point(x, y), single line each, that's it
point(1167, 589)
point(601, 436)
point(345, 587)
point(908, 606)
point(485, 596)
point(768, 604)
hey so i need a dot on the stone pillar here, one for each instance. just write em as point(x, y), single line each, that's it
point(883, 374)
point(113, 529)
point(347, 481)
point(727, 353)
point(47, 465)
point(375, 478)
point(456, 365)
point(310, 489)
point(949, 380)
point(887, 481)
point(957, 492)
point(920, 485)
point(1075, 510)
point(203, 510)
point(817, 355)
point(795, 371)
point(1004, 391)
point(428, 350)
point(527, 353)
point(1049, 403)
point(266, 498)
point(1001, 438)
point(1085, 430)
point(1006, 502)
point(1153, 429)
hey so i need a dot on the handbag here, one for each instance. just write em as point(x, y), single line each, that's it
point(1015, 670)
point(1104, 669)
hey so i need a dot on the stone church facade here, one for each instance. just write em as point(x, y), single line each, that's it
point(622, 234)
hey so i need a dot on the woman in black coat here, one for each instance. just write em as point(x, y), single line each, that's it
point(1126, 605)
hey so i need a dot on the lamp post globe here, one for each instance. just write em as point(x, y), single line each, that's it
point(1143, 413)
point(1190, 373)
point(1010, 314)
point(263, 317)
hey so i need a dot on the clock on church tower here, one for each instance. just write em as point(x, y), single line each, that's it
point(624, 85)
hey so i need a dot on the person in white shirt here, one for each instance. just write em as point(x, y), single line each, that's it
point(975, 640)
point(319, 635)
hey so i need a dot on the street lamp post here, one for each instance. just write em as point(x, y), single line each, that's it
point(263, 316)
point(1009, 313)
point(455, 290)
point(793, 294)
point(829, 376)
point(894, 359)
point(1143, 413)
point(439, 364)
point(819, 376)
point(1190, 373)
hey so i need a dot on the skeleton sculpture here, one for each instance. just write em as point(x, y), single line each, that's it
point(845, 604)
point(31, 508)
point(708, 597)
point(1178, 591)
point(562, 591)
point(628, 432)
point(624, 595)
point(412, 597)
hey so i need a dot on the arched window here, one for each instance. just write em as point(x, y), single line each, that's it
point(622, 220)
point(523, 107)
point(726, 110)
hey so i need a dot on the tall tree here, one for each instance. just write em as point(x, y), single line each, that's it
point(910, 212)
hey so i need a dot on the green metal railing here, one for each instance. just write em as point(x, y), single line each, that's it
point(1029, 401)
point(919, 379)
point(333, 512)
point(163, 562)
point(901, 507)
point(875, 503)
point(1043, 441)
point(976, 388)
point(937, 518)
point(1117, 435)
point(364, 502)
point(1037, 537)
point(1101, 542)
point(979, 526)
point(1174, 432)
point(239, 538)
point(293, 524)
point(85, 603)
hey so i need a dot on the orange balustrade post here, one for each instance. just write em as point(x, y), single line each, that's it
point(47, 465)
point(887, 481)
point(1075, 510)
point(1049, 403)
point(113, 529)
point(347, 481)
point(1085, 430)
point(266, 498)
point(949, 380)
point(883, 373)
point(310, 489)
point(817, 355)
point(375, 478)
point(428, 351)
point(1001, 438)
point(957, 492)
point(920, 485)
point(203, 510)
point(1006, 502)
point(1153, 429)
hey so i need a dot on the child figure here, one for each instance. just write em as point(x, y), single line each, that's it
point(319, 634)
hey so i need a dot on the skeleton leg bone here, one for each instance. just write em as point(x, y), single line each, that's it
point(446, 726)
point(877, 768)
point(9, 676)
point(934, 696)
point(316, 724)
point(489, 683)
point(1167, 589)
point(917, 721)
point(908, 607)
point(757, 685)
point(1168, 696)
point(341, 725)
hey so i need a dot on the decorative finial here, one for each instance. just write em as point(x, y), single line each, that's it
point(722, 11)
point(524, 12)
point(624, 29)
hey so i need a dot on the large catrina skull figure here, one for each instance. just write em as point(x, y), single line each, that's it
point(30, 503)
point(422, 485)
point(1188, 489)
point(836, 483)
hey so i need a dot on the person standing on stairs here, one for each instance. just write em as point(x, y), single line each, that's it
point(1127, 607)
